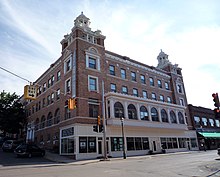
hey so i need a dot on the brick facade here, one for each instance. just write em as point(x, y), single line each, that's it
point(83, 65)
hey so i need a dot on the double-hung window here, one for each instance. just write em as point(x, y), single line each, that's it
point(93, 83)
point(133, 76)
point(143, 79)
point(123, 73)
point(92, 63)
point(111, 70)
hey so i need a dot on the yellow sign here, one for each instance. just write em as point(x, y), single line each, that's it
point(30, 92)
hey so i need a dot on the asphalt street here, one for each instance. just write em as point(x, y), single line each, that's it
point(192, 164)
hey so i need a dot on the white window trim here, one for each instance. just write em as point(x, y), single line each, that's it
point(97, 83)
point(96, 57)
point(65, 62)
point(183, 101)
point(66, 85)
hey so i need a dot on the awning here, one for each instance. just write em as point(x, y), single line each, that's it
point(210, 135)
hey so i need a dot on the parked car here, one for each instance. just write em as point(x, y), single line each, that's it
point(29, 150)
point(3, 139)
point(218, 151)
point(10, 145)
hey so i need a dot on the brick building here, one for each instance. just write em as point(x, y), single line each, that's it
point(206, 126)
point(152, 101)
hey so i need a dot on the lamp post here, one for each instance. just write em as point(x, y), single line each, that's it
point(123, 137)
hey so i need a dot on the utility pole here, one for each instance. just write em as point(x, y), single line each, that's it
point(104, 122)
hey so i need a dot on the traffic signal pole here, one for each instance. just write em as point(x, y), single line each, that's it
point(104, 122)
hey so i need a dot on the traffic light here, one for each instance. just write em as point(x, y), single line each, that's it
point(98, 120)
point(217, 113)
point(72, 103)
point(100, 128)
point(95, 128)
point(216, 100)
point(30, 92)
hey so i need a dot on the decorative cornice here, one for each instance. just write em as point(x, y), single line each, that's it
point(136, 65)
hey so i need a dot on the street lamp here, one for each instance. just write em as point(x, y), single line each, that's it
point(123, 137)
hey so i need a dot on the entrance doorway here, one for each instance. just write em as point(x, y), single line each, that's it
point(155, 144)
point(101, 146)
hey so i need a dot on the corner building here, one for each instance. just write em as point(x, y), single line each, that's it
point(152, 101)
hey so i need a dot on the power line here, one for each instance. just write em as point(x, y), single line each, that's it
point(14, 74)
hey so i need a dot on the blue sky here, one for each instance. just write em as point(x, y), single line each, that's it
point(187, 30)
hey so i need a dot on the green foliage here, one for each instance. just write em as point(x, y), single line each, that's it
point(12, 117)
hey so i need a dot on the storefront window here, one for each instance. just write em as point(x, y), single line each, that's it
point(182, 142)
point(116, 144)
point(137, 143)
point(130, 143)
point(193, 142)
point(67, 145)
point(87, 144)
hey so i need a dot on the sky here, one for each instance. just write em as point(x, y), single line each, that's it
point(187, 30)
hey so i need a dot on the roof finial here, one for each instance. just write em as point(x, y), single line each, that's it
point(82, 13)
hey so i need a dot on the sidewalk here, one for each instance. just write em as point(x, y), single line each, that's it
point(67, 160)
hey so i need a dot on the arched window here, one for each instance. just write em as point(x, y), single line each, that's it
point(181, 118)
point(119, 110)
point(132, 112)
point(57, 116)
point(49, 119)
point(164, 115)
point(143, 113)
point(42, 122)
point(37, 124)
point(173, 117)
point(154, 114)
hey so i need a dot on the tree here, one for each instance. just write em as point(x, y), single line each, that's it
point(12, 116)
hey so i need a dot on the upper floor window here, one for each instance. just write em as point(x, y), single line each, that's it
point(44, 86)
point(135, 92)
point(169, 100)
point(58, 94)
point(182, 102)
point(204, 121)
point(197, 121)
point(67, 66)
point(167, 86)
point(58, 75)
point(113, 87)
point(151, 81)
point(159, 83)
point(144, 94)
point(112, 70)
point(179, 88)
point(211, 121)
point(153, 96)
point(67, 86)
point(52, 80)
point(49, 83)
point(133, 76)
point(93, 83)
point(217, 123)
point(48, 100)
point(92, 63)
point(52, 97)
point(143, 79)
point(124, 90)
point(93, 107)
point(123, 73)
point(161, 98)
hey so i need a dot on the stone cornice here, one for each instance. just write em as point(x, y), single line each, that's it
point(135, 64)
